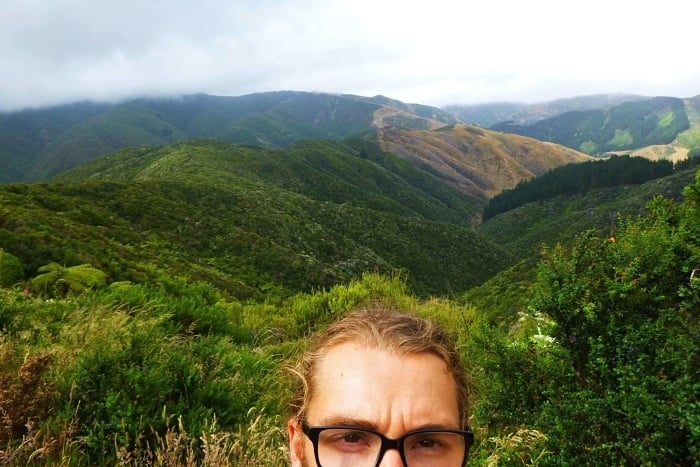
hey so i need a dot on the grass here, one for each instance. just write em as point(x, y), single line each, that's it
point(622, 138)
point(690, 138)
point(665, 119)
point(260, 442)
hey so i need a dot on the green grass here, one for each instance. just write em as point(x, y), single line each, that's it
point(622, 138)
point(589, 147)
point(690, 138)
point(665, 119)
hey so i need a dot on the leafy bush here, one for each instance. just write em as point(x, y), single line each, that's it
point(626, 318)
point(55, 280)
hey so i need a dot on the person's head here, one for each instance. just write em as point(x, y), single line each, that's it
point(380, 371)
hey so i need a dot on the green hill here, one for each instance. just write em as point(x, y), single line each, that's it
point(246, 218)
point(37, 144)
point(629, 125)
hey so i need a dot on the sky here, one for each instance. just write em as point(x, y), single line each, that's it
point(433, 52)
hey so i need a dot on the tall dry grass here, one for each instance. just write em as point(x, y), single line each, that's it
point(261, 442)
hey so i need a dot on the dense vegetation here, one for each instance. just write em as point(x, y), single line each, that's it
point(523, 230)
point(249, 219)
point(625, 126)
point(578, 179)
point(171, 370)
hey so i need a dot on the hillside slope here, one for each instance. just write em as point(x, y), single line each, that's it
point(523, 230)
point(474, 160)
point(629, 125)
point(321, 170)
point(245, 219)
point(37, 144)
point(686, 144)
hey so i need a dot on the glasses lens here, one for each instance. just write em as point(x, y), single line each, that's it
point(348, 447)
point(339, 447)
point(434, 449)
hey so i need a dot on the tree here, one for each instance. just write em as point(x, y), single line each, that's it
point(59, 281)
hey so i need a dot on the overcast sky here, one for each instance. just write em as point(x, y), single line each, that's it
point(434, 52)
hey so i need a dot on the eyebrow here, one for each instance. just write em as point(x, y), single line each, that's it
point(342, 420)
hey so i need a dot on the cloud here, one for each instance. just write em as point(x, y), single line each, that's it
point(437, 52)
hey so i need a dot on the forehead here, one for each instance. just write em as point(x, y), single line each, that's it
point(383, 389)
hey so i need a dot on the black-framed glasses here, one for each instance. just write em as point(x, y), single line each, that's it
point(336, 446)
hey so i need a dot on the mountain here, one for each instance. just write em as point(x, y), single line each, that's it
point(474, 160)
point(37, 144)
point(249, 219)
point(629, 125)
point(687, 143)
point(489, 114)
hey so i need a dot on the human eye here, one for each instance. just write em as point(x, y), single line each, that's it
point(431, 443)
point(347, 439)
point(427, 441)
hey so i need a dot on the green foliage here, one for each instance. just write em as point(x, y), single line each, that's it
point(523, 230)
point(578, 179)
point(249, 220)
point(55, 280)
point(504, 297)
point(123, 366)
point(11, 270)
point(131, 372)
point(626, 318)
point(609, 343)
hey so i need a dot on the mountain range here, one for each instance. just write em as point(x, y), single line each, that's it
point(37, 144)
point(489, 114)
point(623, 127)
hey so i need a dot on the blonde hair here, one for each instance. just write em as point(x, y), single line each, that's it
point(392, 330)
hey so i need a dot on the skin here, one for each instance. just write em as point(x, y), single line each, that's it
point(376, 389)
